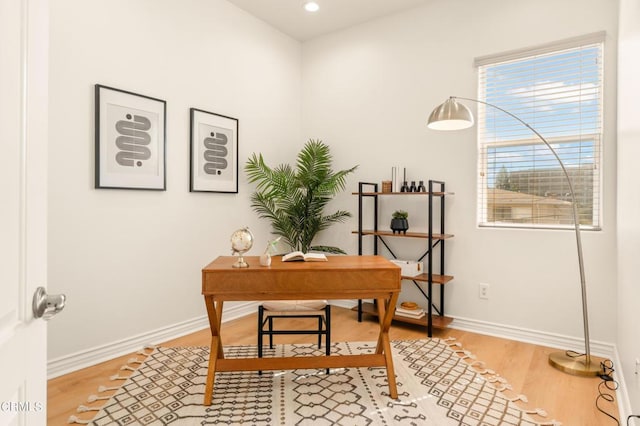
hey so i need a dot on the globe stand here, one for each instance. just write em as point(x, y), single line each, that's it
point(240, 263)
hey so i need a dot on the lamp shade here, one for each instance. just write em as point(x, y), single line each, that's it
point(450, 115)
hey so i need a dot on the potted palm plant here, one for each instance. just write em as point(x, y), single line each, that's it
point(294, 199)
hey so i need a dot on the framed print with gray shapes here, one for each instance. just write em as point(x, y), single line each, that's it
point(214, 152)
point(130, 140)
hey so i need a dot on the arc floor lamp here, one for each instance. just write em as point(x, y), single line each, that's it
point(452, 115)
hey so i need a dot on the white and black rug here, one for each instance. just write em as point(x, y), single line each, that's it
point(436, 386)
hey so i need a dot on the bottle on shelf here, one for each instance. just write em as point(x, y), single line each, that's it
point(421, 187)
point(413, 187)
point(405, 187)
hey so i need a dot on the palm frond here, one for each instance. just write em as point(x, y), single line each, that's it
point(337, 217)
point(314, 163)
point(258, 171)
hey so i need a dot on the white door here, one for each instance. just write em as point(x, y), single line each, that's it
point(23, 208)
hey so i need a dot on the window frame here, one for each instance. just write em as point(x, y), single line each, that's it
point(483, 158)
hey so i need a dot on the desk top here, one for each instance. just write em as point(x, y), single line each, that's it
point(341, 277)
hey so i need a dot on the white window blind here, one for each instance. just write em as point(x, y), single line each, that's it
point(558, 93)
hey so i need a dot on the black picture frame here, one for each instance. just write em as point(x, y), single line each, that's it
point(213, 152)
point(130, 140)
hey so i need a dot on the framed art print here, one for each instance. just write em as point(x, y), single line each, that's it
point(130, 140)
point(214, 152)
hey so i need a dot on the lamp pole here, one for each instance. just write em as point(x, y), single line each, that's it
point(559, 360)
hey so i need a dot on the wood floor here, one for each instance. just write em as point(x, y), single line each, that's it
point(568, 399)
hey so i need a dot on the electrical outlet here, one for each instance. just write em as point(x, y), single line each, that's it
point(483, 291)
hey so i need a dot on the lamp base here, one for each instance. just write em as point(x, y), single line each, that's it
point(578, 366)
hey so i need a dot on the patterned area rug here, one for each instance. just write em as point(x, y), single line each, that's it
point(436, 385)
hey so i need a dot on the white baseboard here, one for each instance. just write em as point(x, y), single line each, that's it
point(92, 356)
point(536, 337)
point(519, 334)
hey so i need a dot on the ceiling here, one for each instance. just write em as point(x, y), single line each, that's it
point(290, 17)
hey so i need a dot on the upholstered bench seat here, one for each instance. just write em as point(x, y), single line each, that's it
point(293, 306)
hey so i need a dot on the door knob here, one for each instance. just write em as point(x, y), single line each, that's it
point(46, 306)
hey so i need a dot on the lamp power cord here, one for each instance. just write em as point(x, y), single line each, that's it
point(607, 388)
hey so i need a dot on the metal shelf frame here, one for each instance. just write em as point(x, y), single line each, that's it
point(435, 241)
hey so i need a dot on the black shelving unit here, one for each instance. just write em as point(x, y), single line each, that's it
point(435, 317)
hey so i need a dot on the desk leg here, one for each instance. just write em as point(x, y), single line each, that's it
point(218, 308)
point(385, 315)
point(214, 312)
point(380, 305)
point(385, 307)
point(211, 371)
point(216, 352)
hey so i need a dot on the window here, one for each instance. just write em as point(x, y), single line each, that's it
point(557, 90)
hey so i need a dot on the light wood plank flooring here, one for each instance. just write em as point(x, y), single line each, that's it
point(568, 399)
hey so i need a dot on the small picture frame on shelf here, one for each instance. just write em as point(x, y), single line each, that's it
point(130, 140)
point(213, 153)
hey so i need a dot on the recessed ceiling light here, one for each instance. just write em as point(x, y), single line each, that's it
point(311, 6)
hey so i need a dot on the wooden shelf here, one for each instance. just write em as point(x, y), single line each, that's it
point(438, 321)
point(436, 278)
point(407, 235)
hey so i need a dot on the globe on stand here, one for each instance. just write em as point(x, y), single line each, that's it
point(241, 242)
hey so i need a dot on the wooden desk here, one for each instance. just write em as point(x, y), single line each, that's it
point(342, 277)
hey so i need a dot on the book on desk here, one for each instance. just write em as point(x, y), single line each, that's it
point(298, 256)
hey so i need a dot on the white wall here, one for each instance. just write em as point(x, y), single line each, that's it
point(629, 197)
point(370, 90)
point(129, 261)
